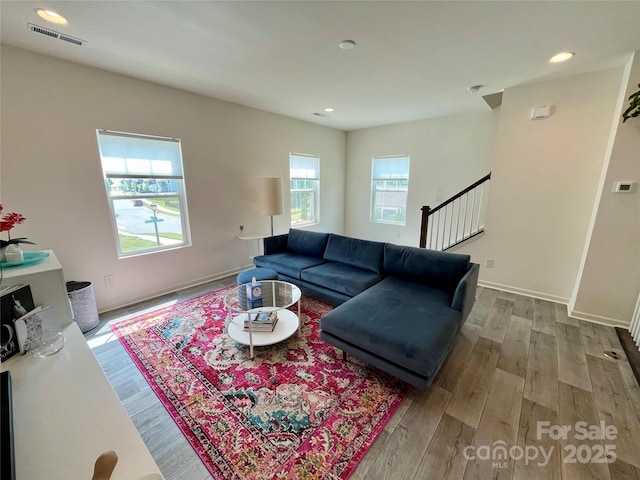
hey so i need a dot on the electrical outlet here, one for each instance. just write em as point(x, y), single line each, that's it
point(489, 263)
point(108, 280)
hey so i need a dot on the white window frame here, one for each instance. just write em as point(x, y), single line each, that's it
point(130, 156)
point(391, 172)
point(304, 168)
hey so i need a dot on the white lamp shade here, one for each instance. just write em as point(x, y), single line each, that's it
point(269, 196)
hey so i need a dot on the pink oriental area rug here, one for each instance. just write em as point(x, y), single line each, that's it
point(296, 411)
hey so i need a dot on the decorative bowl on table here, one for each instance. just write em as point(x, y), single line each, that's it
point(29, 259)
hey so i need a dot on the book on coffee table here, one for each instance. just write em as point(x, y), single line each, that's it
point(263, 322)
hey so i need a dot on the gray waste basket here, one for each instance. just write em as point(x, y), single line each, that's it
point(83, 304)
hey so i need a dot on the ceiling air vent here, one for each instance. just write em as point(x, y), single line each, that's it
point(53, 34)
point(67, 38)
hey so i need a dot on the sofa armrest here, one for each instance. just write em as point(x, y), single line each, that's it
point(277, 244)
point(465, 294)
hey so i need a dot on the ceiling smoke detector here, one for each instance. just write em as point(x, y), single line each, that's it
point(319, 114)
point(474, 88)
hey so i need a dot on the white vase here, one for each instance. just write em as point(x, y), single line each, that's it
point(13, 253)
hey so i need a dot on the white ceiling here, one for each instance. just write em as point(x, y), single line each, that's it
point(413, 59)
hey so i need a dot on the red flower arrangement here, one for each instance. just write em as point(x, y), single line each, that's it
point(7, 222)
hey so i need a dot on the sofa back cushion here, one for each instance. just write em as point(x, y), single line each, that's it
point(308, 243)
point(354, 252)
point(430, 267)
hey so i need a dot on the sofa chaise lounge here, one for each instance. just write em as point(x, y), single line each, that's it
point(398, 308)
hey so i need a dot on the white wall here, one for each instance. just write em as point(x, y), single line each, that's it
point(545, 179)
point(51, 171)
point(544, 184)
point(609, 281)
point(447, 155)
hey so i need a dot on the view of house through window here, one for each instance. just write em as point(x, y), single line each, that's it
point(389, 189)
point(145, 189)
point(304, 186)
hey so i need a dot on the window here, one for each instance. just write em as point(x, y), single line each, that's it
point(389, 189)
point(145, 190)
point(304, 187)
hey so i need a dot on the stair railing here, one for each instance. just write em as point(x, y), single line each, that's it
point(455, 220)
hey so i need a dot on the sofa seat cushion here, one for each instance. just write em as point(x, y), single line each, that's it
point(341, 278)
point(358, 253)
point(403, 322)
point(288, 263)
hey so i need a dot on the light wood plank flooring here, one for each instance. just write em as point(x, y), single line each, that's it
point(518, 361)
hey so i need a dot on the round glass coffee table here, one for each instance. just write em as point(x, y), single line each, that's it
point(277, 296)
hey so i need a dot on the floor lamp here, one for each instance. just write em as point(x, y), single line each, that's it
point(270, 197)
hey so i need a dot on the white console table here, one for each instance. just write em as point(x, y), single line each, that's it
point(47, 283)
point(65, 414)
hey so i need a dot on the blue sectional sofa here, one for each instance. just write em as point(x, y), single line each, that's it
point(398, 308)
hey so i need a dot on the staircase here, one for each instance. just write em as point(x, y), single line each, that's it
point(457, 219)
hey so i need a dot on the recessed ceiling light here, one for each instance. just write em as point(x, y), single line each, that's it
point(561, 57)
point(51, 16)
point(347, 44)
point(329, 110)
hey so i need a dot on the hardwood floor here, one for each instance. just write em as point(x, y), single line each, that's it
point(518, 362)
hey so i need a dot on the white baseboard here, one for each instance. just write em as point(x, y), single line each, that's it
point(173, 288)
point(523, 291)
point(609, 322)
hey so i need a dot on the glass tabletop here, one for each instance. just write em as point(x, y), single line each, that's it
point(272, 294)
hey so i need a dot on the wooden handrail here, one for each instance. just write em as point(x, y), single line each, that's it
point(428, 211)
point(461, 193)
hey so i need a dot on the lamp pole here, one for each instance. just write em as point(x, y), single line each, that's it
point(154, 207)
